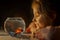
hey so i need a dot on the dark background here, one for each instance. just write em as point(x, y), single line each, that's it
point(13, 8)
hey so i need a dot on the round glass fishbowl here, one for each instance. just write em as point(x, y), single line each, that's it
point(14, 26)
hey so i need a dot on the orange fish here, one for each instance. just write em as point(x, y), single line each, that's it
point(19, 30)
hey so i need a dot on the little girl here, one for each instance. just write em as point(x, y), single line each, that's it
point(41, 23)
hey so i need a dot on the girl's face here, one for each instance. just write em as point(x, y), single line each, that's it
point(42, 19)
point(39, 22)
